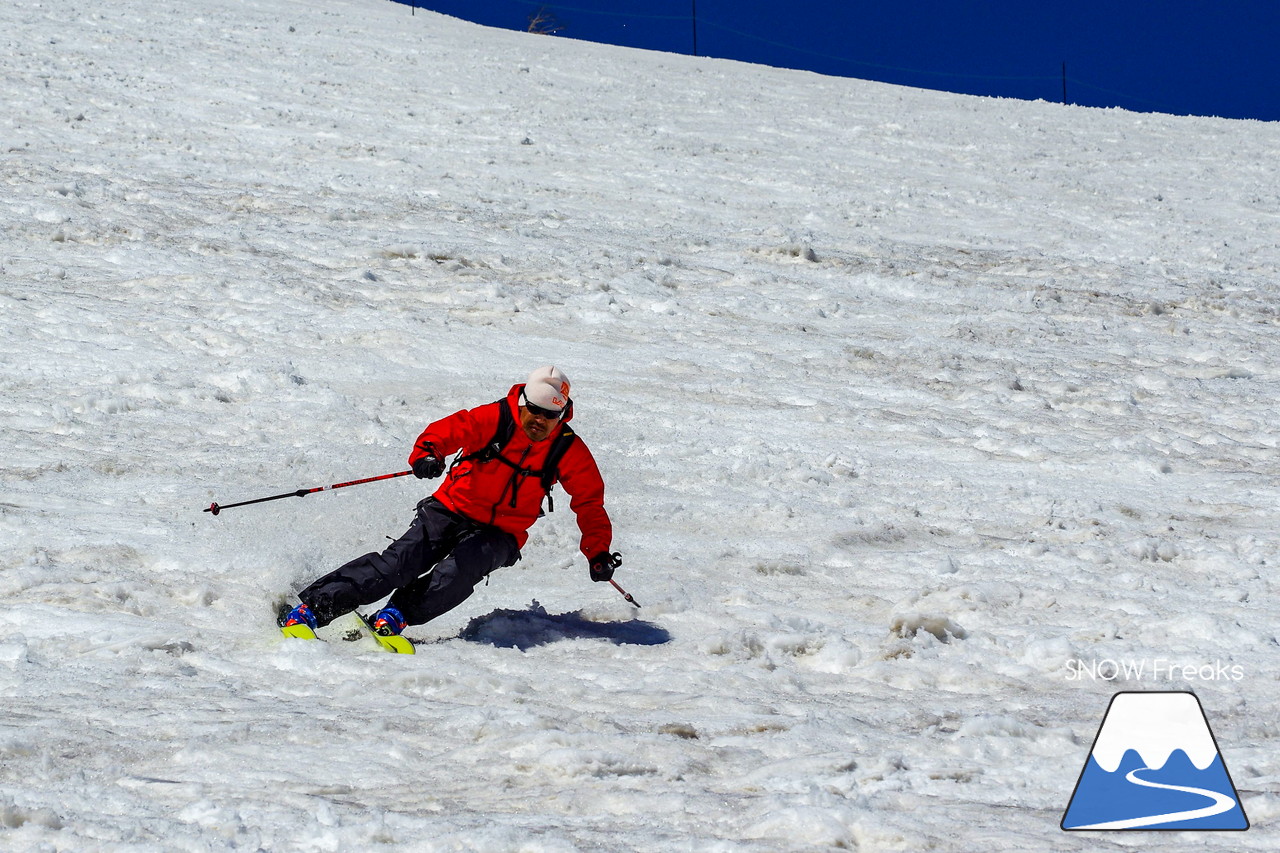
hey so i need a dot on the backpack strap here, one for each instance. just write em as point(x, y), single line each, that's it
point(550, 473)
point(551, 467)
point(501, 436)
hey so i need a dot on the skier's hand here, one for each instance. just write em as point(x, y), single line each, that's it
point(428, 468)
point(603, 564)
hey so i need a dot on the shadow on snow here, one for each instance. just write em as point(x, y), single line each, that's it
point(524, 629)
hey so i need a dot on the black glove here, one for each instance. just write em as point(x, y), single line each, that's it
point(603, 564)
point(428, 468)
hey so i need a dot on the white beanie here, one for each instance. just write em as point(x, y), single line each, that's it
point(547, 388)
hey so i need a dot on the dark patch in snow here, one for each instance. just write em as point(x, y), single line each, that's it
point(524, 629)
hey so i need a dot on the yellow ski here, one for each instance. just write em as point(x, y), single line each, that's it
point(392, 643)
point(397, 644)
point(301, 631)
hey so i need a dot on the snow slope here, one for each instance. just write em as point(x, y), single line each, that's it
point(910, 405)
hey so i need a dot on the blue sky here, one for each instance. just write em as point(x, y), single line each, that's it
point(1190, 57)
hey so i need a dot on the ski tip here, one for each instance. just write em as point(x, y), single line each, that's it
point(399, 645)
point(300, 632)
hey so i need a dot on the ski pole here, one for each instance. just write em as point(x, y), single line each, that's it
point(615, 560)
point(625, 594)
point(302, 493)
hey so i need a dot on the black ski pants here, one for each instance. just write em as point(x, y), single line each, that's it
point(428, 571)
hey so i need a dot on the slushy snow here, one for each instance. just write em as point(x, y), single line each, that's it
point(913, 408)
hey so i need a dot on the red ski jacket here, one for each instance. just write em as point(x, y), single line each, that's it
point(504, 494)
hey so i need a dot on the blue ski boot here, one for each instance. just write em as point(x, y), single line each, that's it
point(386, 625)
point(298, 622)
point(388, 622)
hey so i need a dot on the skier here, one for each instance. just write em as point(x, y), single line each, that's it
point(477, 521)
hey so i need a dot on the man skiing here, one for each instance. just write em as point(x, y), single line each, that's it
point(477, 521)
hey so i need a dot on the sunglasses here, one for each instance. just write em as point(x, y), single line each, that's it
point(549, 414)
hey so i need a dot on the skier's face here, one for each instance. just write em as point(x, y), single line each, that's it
point(536, 426)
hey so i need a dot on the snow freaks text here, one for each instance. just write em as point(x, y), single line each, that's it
point(1157, 669)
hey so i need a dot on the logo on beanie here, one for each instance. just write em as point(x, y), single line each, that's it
point(542, 385)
